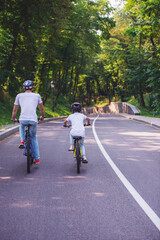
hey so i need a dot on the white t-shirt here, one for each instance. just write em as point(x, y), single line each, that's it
point(28, 102)
point(77, 120)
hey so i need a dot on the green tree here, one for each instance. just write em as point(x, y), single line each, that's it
point(144, 29)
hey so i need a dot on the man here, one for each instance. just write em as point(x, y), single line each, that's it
point(77, 120)
point(28, 102)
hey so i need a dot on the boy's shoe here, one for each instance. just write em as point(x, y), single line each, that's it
point(84, 160)
point(21, 146)
point(71, 148)
point(37, 161)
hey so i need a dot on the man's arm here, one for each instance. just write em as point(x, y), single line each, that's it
point(42, 111)
point(14, 112)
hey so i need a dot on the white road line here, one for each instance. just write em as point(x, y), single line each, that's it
point(146, 208)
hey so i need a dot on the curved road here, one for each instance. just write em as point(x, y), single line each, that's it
point(54, 203)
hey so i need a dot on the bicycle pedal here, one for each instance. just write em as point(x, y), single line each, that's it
point(37, 164)
point(84, 161)
point(32, 161)
point(21, 147)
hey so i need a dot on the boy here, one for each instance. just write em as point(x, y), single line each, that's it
point(77, 120)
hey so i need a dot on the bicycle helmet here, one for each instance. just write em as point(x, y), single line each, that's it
point(28, 85)
point(76, 107)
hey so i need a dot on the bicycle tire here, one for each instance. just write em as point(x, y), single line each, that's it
point(78, 157)
point(28, 157)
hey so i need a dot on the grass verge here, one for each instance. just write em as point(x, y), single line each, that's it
point(6, 107)
point(144, 111)
point(101, 102)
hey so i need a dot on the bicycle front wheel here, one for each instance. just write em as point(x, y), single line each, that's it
point(28, 157)
point(78, 157)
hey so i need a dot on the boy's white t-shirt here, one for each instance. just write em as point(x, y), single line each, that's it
point(77, 120)
point(28, 102)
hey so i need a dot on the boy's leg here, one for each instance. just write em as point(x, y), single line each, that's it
point(81, 142)
point(71, 143)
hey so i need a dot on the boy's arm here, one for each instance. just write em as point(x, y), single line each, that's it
point(65, 123)
point(14, 112)
point(88, 120)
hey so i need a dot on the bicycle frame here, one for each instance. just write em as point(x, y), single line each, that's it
point(25, 149)
point(75, 143)
point(77, 152)
point(28, 151)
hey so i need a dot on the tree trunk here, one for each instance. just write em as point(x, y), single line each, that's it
point(141, 77)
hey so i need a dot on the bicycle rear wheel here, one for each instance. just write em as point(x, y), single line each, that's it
point(28, 157)
point(78, 157)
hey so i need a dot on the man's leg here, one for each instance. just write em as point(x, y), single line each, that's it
point(33, 131)
point(22, 134)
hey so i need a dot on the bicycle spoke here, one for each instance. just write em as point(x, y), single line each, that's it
point(28, 157)
point(78, 157)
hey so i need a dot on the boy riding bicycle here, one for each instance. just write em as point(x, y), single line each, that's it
point(77, 120)
point(28, 102)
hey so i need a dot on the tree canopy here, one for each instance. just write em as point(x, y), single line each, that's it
point(86, 47)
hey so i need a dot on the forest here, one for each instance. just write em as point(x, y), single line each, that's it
point(86, 48)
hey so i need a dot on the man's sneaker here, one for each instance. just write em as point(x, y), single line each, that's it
point(84, 160)
point(37, 161)
point(71, 148)
point(21, 146)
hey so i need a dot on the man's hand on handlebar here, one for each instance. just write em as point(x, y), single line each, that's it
point(14, 120)
point(41, 118)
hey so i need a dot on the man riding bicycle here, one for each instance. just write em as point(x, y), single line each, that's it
point(77, 120)
point(28, 102)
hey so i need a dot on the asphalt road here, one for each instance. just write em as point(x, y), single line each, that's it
point(54, 203)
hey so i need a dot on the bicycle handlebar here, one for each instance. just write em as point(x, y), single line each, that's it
point(85, 125)
point(17, 120)
point(67, 126)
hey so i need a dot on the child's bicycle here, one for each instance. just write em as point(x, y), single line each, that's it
point(77, 151)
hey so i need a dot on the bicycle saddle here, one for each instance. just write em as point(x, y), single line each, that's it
point(77, 137)
point(28, 125)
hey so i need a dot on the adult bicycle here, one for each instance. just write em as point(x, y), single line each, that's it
point(28, 147)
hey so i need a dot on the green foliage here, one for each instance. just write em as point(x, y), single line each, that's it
point(147, 112)
point(5, 44)
point(62, 108)
point(51, 41)
point(6, 107)
point(131, 56)
point(82, 48)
